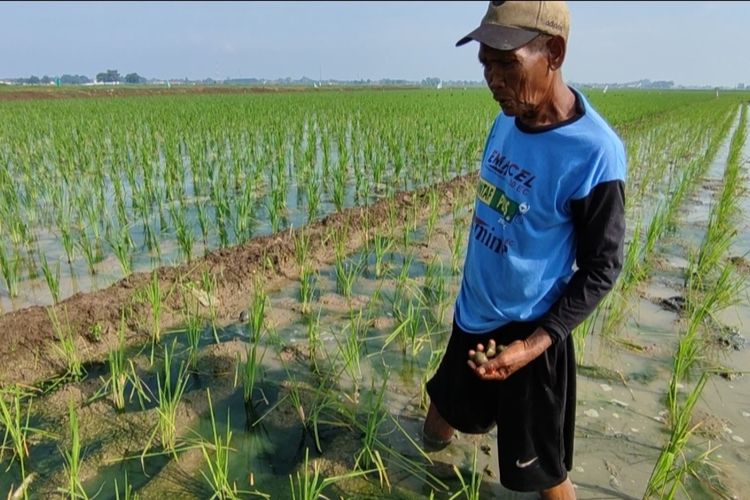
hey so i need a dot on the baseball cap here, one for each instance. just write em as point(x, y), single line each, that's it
point(510, 24)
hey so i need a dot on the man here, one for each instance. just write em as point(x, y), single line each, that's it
point(545, 246)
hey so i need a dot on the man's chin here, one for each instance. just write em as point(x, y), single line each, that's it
point(508, 110)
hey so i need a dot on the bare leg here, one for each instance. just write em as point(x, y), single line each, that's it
point(435, 427)
point(563, 491)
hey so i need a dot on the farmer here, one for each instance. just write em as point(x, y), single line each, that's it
point(545, 245)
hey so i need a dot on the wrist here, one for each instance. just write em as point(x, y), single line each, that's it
point(538, 341)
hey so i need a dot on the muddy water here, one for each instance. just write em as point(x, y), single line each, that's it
point(619, 421)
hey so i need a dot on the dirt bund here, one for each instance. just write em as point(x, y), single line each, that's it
point(43, 93)
point(29, 345)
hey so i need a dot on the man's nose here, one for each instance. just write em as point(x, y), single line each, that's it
point(495, 79)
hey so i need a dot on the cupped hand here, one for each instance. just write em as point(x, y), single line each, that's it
point(509, 359)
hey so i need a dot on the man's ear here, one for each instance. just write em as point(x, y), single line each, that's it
point(556, 52)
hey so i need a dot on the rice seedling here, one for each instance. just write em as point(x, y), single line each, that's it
point(209, 284)
point(251, 369)
point(434, 289)
point(311, 485)
point(216, 458)
point(307, 280)
point(469, 489)
point(52, 278)
point(73, 459)
point(10, 267)
point(350, 349)
point(151, 239)
point(15, 423)
point(121, 244)
point(339, 187)
point(313, 339)
point(183, 231)
point(200, 208)
point(127, 492)
point(671, 466)
point(408, 330)
point(457, 246)
point(257, 316)
point(346, 274)
point(91, 252)
point(369, 455)
point(66, 238)
point(117, 368)
point(382, 244)
point(66, 343)
point(193, 332)
point(169, 393)
point(312, 193)
point(301, 247)
point(154, 297)
point(433, 199)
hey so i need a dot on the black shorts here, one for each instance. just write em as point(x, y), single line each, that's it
point(534, 409)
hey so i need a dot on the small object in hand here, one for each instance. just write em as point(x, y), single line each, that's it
point(491, 350)
point(480, 358)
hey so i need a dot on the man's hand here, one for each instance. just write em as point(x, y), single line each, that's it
point(512, 358)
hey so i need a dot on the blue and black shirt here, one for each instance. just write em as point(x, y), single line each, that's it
point(546, 242)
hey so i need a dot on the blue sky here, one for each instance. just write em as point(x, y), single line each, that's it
point(692, 43)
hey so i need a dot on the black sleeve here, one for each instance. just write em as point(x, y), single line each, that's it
point(599, 223)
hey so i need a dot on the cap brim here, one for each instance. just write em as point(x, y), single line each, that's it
point(499, 37)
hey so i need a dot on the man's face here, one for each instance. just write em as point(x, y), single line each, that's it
point(520, 79)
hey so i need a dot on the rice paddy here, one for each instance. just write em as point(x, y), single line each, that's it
point(243, 295)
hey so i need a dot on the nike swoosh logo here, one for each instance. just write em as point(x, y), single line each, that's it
point(523, 465)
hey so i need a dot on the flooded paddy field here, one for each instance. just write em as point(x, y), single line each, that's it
point(248, 301)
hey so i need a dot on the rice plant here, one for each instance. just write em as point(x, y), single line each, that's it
point(121, 244)
point(469, 489)
point(369, 455)
point(10, 267)
point(313, 339)
point(310, 485)
point(216, 458)
point(66, 343)
point(117, 368)
point(210, 285)
point(672, 464)
point(193, 332)
point(73, 458)
point(307, 281)
point(382, 245)
point(91, 251)
point(257, 316)
point(433, 198)
point(52, 278)
point(169, 393)
point(127, 492)
point(15, 422)
point(250, 370)
point(154, 297)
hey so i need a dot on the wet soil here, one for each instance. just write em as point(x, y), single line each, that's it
point(29, 345)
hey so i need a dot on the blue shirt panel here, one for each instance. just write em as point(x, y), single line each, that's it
point(522, 244)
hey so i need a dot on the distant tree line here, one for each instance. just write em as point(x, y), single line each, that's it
point(46, 80)
point(109, 76)
point(113, 76)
